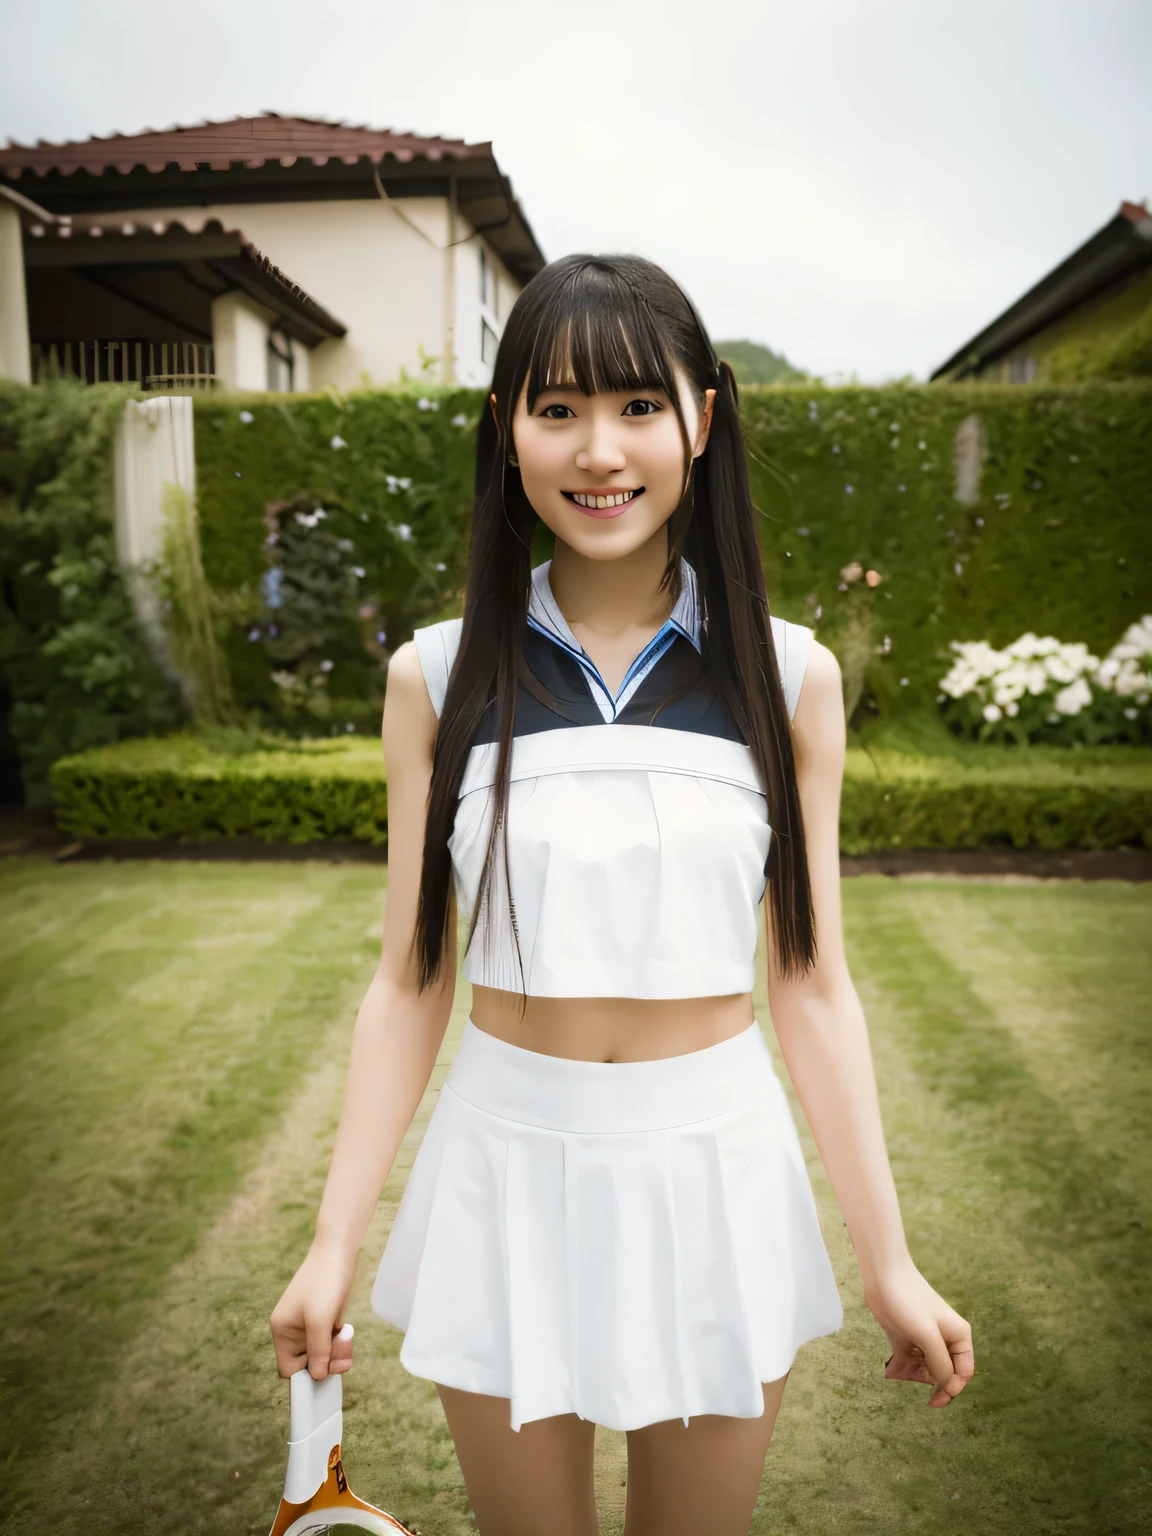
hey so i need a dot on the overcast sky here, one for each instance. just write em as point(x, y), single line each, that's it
point(862, 184)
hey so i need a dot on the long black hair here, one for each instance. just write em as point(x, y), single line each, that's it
point(614, 323)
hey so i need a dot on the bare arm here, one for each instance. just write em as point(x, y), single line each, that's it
point(824, 1039)
point(394, 1047)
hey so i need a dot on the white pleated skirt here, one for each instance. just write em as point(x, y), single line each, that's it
point(627, 1241)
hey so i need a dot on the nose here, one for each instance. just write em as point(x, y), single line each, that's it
point(601, 452)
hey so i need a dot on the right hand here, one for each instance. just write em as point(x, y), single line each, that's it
point(309, 1314)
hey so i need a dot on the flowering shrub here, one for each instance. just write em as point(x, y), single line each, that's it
point(1040, 690)
point(305, 651)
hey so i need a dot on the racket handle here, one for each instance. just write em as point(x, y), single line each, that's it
point(316, 1424)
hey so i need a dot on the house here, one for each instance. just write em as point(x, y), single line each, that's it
point(264, 252)
point(1086, 303)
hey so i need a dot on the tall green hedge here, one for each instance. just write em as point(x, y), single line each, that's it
point(1057, 538)
point(74, 664)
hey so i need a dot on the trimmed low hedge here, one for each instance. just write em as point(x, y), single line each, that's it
point(186, 789)
point(987, 796)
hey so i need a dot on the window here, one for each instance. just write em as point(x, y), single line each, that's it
point(487, 282)
point(489, 341)
point(1021, 370)
point(281, 361)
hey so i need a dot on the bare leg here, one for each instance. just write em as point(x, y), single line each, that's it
point(682, 1482)
point(535, 1481)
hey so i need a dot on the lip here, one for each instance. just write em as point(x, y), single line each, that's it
point(607, 490)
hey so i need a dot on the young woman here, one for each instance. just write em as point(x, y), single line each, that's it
point(611, 761)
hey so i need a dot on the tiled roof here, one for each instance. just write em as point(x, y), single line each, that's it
point(1114, 254)
point(247, 141)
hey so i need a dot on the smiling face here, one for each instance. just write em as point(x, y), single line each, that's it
point(606, 471)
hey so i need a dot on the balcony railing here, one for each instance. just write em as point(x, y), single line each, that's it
point(147, 364)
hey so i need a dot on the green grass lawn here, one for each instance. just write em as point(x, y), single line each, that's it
point(173, 1039)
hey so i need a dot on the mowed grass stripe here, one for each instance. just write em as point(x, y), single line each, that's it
point(85, 1257)
point(1048, 1260)
point(35, 906)
point(1068, 973)
point(165, 966)
point(196, 1411)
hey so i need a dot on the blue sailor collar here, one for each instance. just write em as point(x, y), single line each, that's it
point(544, 615)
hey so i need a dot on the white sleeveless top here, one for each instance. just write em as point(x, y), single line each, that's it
point(636, 851)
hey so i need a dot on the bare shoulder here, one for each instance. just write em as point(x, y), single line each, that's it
point(818, 724)
point(409, 727)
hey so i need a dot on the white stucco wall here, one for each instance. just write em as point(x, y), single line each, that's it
point(240, 341)
point(373, 271)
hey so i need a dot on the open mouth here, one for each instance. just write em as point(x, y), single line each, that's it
point(606, 505)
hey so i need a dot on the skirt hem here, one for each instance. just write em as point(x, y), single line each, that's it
point(447, 1372)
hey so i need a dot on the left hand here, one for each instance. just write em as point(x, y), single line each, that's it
point(930, 1342)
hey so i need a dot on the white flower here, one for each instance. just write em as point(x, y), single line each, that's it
point(403, 531)
point(1137, 640)
point(1121, 671)
point(423, 404)
point(358, 570)
point(247, 417)
point(440, 566)
point(404, 483)
point(460, 421)
point(338, 442)
point(1130, 714)
point(326, 666)
point(992, 713)
point(1074, 698)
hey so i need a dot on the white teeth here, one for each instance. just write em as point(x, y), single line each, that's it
point(599, 503)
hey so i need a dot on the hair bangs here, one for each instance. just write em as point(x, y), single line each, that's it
point(597, 335)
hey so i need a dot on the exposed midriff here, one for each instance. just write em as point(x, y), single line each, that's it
point(610, 1028)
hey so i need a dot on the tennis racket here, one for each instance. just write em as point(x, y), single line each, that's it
point(316, 1492)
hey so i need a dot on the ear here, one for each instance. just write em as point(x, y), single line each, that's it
point(705, 426)
point(492, 403)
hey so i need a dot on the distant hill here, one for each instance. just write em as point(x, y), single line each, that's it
point(754, 364)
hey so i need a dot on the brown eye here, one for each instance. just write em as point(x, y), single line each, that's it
point(546, 413)
point(647, 408)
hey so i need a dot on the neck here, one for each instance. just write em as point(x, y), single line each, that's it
point(606, 596)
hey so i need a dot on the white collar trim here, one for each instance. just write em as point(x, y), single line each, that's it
point(545, 611)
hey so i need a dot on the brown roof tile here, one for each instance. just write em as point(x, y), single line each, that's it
point(249, 141)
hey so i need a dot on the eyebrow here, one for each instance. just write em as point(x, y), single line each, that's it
point(574, 389)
